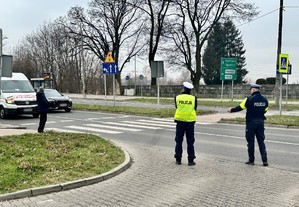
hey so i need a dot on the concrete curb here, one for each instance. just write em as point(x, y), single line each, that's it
point(70, 185)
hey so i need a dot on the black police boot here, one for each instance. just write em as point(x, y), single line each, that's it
point(249, 163)
point(190, 163)
point(178, 160)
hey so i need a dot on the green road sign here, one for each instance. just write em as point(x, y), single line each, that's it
point(228, 69)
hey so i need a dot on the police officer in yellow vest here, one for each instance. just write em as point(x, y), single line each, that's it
point(256, 106)
point(185, 118)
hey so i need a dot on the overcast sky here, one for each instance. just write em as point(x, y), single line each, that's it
point(21, 17)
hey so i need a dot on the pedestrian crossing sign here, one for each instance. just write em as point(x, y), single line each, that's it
point(109, 58)
point(283, 65)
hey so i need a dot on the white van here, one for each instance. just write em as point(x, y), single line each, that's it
point(17, 96)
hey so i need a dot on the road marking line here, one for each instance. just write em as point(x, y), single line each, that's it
point(28, 124)
point(132, 125)
point(157, 122)
point(93, 129)
point(66, 121)
point(149, 124)
point(242, 138)
point(113, 127)
point(92, 119)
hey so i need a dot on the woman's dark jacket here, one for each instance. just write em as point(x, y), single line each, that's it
point(42, 103)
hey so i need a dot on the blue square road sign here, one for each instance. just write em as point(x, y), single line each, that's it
point(110, 68)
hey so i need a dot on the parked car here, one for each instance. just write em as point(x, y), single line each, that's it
point(58, 101)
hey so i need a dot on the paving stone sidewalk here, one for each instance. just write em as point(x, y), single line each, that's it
point(155, 180)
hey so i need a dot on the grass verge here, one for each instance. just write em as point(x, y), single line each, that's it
point(34, 160)
point(275, 120)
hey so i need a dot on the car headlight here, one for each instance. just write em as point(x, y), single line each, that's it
point(10, 100)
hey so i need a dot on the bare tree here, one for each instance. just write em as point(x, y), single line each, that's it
point(155, 14)
point(46, 51)
point(110, 26)
point(192, 25)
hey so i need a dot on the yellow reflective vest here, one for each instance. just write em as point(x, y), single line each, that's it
point(185, 108)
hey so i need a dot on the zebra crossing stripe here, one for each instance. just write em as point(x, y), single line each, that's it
point(112, 127)
point(135, 125)
point(94, 119)
point(94, 129)
point(28, 124)
point(67, 120)
point(150, 124)
point(163, 119)
point(157, 122)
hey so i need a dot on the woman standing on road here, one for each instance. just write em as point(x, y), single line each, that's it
point(42, 108)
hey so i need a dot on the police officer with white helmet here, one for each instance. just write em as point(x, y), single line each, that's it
point(185, 118)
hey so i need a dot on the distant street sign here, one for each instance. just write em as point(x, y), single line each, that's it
point(157, 69)
point(127, 77)
point(110, 68)
point(289, 70)
point(109, 58)
point(228, 69)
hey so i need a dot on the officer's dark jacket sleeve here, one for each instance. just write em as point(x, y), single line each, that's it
point(256, 105)
point(240, 107)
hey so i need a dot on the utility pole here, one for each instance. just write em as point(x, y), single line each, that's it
point(277, 89)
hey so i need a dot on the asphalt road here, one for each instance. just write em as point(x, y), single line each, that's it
point(220, 177)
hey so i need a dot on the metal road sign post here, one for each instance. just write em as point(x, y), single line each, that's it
point(228, 72)
point(110, 67)
point(283, 68)
point(289, 72)
point(141, 79)
point(157, 70)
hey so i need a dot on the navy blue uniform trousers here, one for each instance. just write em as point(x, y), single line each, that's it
point(42, 121)
point(255, 127)
point(181, 129)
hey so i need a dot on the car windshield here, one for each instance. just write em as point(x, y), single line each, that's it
point(52, 93)
point(16, 86)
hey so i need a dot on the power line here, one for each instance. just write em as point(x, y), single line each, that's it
point(259, 17)
point(267, 14)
